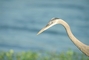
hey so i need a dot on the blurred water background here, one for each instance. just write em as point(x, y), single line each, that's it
point(20, 20)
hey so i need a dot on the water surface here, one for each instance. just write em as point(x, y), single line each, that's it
point(21, 20)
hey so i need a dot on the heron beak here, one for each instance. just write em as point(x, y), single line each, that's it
point(42, 30)
point(45, 28)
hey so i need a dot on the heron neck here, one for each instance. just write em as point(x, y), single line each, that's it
point(79, 44)
point(71, 36)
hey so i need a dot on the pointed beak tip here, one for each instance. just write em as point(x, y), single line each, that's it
point(38, 33)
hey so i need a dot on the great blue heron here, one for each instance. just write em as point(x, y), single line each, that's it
point(84, 48)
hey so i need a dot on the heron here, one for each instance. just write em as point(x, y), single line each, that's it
point(81, 46)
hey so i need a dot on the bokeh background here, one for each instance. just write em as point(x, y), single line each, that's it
point(20, 20)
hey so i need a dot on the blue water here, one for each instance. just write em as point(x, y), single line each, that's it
point(21, 20)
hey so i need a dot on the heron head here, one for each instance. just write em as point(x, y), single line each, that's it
point(53, 22)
